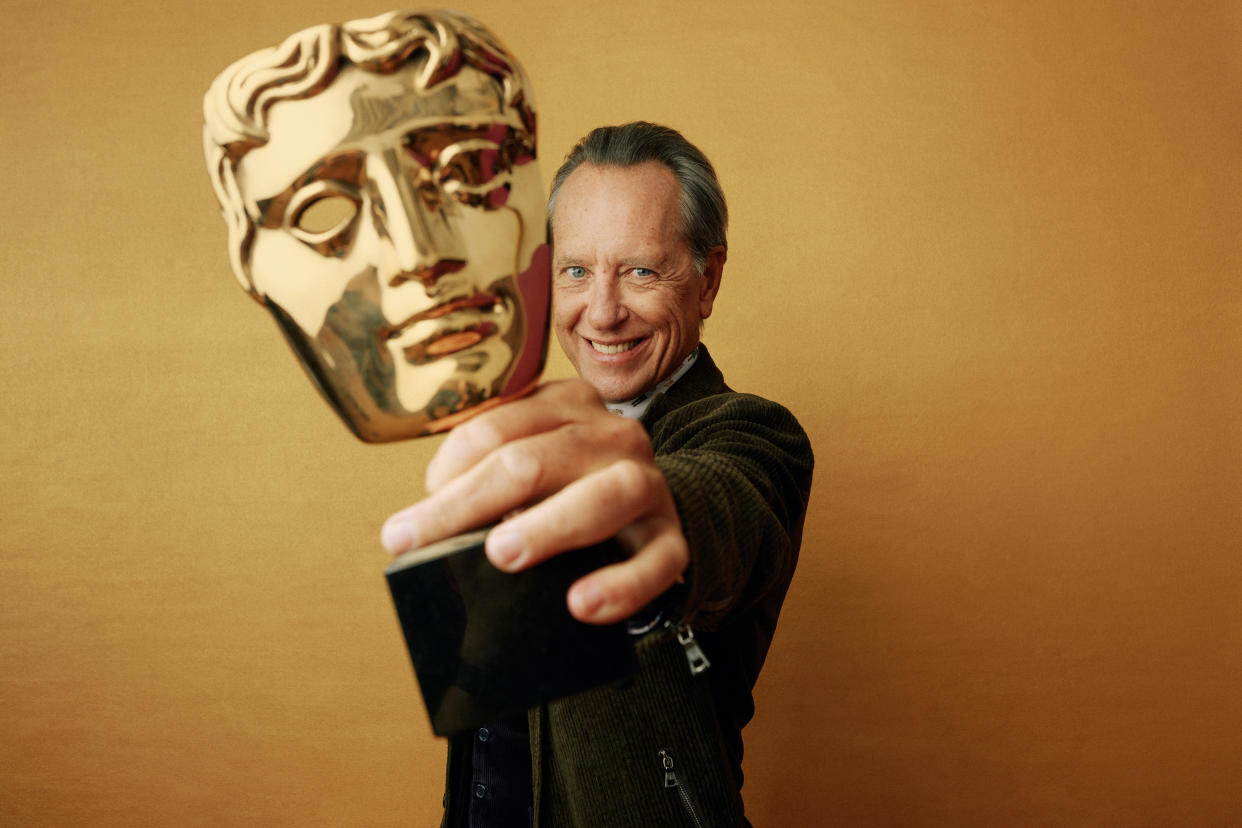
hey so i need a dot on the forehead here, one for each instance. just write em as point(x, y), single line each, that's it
point(620, 204)
point(362, 110)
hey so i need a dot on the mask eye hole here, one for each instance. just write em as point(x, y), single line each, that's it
point(326, 214)
point(323, 216)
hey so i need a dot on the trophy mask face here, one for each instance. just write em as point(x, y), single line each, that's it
point(398, 240)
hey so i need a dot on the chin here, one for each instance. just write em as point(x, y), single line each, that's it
point(613, 391)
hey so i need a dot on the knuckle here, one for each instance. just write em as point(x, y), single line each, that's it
point(463, 446)
point(478, 435)
point(627, 437)
point(625, 587)
point(679, 557)
point(573, 392)
point(629, 482)
point(638, 443)
point(521, 469)
point(581, 391)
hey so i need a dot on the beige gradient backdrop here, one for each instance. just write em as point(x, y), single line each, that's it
point(987, 252)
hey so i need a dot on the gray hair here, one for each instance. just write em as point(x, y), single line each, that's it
point(704, 215)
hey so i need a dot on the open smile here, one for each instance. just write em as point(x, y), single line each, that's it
point(611, 348)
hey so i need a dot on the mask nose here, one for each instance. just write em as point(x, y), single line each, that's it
point(423, 244)
point(428, 275)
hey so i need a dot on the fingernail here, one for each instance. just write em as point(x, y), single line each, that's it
point(585, 600)
point(503, 547)
point(398, 536)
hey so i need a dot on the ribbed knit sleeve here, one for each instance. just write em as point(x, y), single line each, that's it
point(739, 468)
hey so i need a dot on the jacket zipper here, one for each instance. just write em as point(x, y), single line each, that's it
point(695, 657)
point(671, 780)
point(697, 661)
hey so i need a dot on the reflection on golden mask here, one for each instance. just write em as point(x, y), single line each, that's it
point(383, 202)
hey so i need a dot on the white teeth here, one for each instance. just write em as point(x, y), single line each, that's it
point(612, 349)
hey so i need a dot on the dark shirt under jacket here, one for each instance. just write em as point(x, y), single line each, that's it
point(495, 775)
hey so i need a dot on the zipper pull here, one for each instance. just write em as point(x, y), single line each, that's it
point(695, 656)
point(670, 778)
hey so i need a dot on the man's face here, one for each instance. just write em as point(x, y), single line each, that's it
point(627, 301)
point(399, 244)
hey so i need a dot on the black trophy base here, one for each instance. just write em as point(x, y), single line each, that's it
point(487, 644)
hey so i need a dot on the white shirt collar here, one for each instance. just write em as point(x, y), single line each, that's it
point(638, 406)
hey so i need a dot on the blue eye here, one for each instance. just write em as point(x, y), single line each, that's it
point(575, 271)
point(643, 272)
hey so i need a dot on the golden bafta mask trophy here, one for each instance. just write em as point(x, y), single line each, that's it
point(383, 202)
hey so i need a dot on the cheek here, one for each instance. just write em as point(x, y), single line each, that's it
point(661, 308)
point(686, 307)
point(297, 278)
point(566, 307)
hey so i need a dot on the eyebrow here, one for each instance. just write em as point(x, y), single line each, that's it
point(660, 263)
point(426, 143)
point(560, 261)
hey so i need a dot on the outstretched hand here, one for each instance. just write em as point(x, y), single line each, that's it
point(559, 472)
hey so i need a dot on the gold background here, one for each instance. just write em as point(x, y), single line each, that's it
point(987, 252)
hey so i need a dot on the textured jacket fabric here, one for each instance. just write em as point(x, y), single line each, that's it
point(665, 748)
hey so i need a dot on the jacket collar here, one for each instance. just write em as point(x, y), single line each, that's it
point(702, 380)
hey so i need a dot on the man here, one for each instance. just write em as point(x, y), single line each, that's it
point(706, 488)
point(379, 183)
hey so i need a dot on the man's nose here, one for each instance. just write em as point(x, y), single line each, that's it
point(423, 244)
point(605, 303)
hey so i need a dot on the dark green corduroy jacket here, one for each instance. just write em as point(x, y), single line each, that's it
point(665, 749)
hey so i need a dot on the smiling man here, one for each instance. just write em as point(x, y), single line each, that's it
point(705, 487)
point(630, 293)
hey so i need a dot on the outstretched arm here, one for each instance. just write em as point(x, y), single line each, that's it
point(739, 468)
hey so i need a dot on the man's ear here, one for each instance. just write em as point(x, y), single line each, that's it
point(713, 268)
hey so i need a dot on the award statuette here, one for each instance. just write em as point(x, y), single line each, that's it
point(383, 202)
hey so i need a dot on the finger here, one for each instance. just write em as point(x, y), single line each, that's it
point(508, 478)
point(591, 509)
point(491, 489)
point(618, 591)
point(526, 471)
point(548, 407)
